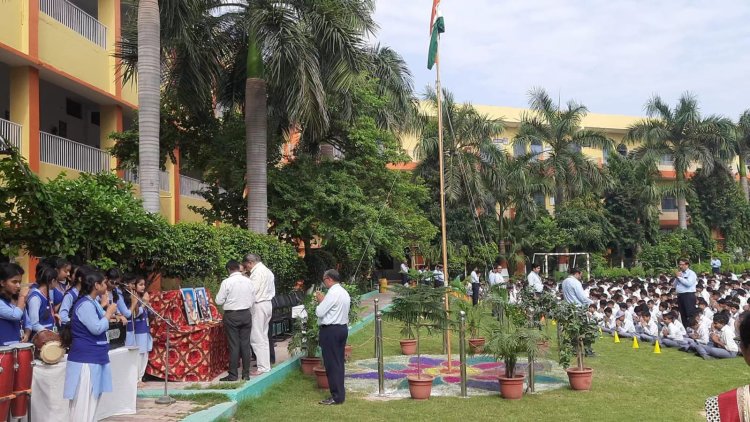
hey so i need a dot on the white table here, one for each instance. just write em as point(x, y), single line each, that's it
point(48, 404)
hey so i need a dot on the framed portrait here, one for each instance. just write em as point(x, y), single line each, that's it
point(202, 299)
point(191, 306)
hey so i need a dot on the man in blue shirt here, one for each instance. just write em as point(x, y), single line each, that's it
point(685, 283)
point(573, 290)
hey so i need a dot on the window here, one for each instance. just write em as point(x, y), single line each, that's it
point(574, 148)
point(73, 108)
point(622, 150)
point(540, 200)
point(669, 203)
point(605, 155)
point(666, 159)
point(536, 150)
point(519, 150)
point(95, 118)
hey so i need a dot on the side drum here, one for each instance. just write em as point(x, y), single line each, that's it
point(48, 347)
point(24, 355)
point(7, 373)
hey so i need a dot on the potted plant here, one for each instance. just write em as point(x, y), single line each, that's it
point(473, 322)
point(419, 307)
point(576, 331)
point(402, 310)
point(508, 340)
point(305, 337)
point(538, 306)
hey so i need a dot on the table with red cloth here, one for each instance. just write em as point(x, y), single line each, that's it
point(196, 352)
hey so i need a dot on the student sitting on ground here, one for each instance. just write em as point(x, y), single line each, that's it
point(625, 327)
point(674, 333)
point(650, 331)
point(608, 323)
point(722, 344)
point(698, 334)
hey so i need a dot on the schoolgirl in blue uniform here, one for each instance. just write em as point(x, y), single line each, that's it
point(138, 333)
point(87, 374)
point(63, 268)
point(39, 307)
point(72, 294)
point(12, 303)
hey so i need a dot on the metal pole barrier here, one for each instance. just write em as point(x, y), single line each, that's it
point(532, 374)
point(462, 353)
point(165, 399)
point(376, 301)
point(379, 344)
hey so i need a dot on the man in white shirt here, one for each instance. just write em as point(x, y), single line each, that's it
point(237, 296)
point(535, 282)
point(262, 280)
point(475, 286)
point(333, 317)
point(715, 265)
point(404, 273)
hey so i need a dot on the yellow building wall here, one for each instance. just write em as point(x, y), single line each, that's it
point(186, 214)
point(69, 52)
point(50, 171)
point(12, 15)
point(130, 92)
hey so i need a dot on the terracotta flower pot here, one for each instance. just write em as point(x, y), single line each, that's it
point(511, 388)
point(420, 386)
point(580, 379)
point(476, 345)
point(320, 374)
point(408, 347)
point(347, 352)
point(307, 365)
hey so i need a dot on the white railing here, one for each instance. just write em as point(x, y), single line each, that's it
point(132, 177)
point(11, 132)
point(66, 153)
point(190, 187)
point(164, 181)
point(76, 19)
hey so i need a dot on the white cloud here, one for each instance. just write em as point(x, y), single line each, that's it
point(612, 56)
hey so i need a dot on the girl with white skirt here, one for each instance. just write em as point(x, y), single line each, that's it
point(138, 333)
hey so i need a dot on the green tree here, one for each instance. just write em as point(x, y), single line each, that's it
point(559, 131)
point(722, 207)
point(739, 142)
point(682, 136)
point(585, 221)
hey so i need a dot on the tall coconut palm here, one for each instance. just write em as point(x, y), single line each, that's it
point(681, 135)
point(740, 145)
point(560, 133)
point(149, 85)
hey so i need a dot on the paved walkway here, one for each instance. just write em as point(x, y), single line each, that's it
point(150, 411)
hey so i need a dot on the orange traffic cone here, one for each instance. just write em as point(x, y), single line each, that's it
point(617, 338)
point(657, 349)
point(635, 343)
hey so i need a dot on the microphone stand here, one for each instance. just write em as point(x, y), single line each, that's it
point(165, 399)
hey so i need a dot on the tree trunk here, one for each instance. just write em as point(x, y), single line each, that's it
point(256, 132)
point(149, 91)
point(682, 211)
point(559, 196)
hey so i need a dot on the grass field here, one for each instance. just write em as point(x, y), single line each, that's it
point(628, 385)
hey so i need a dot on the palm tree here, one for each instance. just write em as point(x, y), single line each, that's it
point(149, 86)
point(740, 144)
point(681, 135)
point(559, 131)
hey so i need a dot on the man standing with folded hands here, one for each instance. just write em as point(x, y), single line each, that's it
point(262, 280)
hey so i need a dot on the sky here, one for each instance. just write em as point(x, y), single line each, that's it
point(611, 56)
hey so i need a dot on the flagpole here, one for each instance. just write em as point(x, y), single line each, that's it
point(446, 332)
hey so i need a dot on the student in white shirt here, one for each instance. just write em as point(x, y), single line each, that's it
point(237, 296)
point(608, 322)
point(722, 343)
point(535, 282)
point(625, 327)
point(700, 333)
point(674, 334)
point(650, 331)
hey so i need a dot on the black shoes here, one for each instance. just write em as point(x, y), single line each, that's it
point(328, 402)
point(245, 377)
point(229, 378)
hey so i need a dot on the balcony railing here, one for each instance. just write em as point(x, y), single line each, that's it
point(76, 19)
point(132, 177)
point(190, 187)
point(11, 132)
point(66, 153)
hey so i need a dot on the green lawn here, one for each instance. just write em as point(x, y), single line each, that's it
point(628, 385)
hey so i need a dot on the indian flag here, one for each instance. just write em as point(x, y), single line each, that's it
point(437, 27)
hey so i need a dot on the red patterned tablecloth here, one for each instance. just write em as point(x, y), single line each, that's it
point(196, 352)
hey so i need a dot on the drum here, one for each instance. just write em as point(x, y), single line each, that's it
point(24, 355)
point(48, 347)
point(116, 335)
point(6, 379)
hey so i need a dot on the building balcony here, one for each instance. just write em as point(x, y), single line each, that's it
point(63, 152)
point(11, 133)
point(76, 19)
point(190, 187)
point(132, 177)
